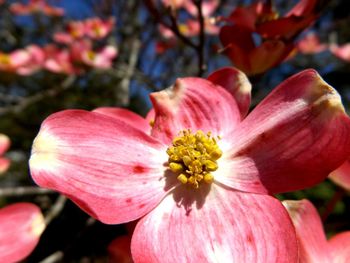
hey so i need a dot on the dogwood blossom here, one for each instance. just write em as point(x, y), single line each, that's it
point(200, 178)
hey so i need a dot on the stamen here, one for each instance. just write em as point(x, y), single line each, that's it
point(193, 157)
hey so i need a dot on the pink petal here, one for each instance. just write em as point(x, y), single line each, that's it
point(150, 116)
point(4, 165)
point(21, 225)
point(235, 82)
point(286, 141)
point(237, 35)
point(127, 116)
point(303, 8)
point(111, 170)
point(196, 104)
point(20, 57)
point(244, 16)
point(109, 52)
point(310, 234)
point(341, 176)
point(342, 52)
point(311, 44)
point(340, 246)
point(238, 45)
point(269, 54)
point(4, 143)
point(285, 27)
point(63, 37)
point(208, 7)
point(219, 226)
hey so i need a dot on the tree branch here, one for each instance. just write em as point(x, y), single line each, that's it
point(24, 190)
point(27, 101)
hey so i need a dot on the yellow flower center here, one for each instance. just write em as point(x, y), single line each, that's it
point(193, 156)
point(5, 59)
point(91, 55)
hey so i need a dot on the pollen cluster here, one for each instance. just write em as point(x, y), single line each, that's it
point(5, 59)
point(193, 156)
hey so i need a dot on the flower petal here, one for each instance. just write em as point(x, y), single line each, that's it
point(304, 8)
point(309, 229)
point(244, 16)
point(4, 143)
point(150, 116)
point(340, 246)
point(110, 169)
point(127, 116)
point(286, 141)
point(285, 27)
point(269, 54)
point(238, 45)
point(4, 165)
point(193, 103)
point(228, 226)
point(235, 82)
point(341, 176)
point(21, 225)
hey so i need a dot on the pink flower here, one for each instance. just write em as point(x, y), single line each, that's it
point(4, 146)
point(83, 54)
point(190, 27)
point(342, 52)
point(311, 44)
point(262, 18)
point(174, 4)
point(208, 7)
point(74, 30)
point(36, 6)
point(199, 179)
point(97, 28)
point(313, 243)
point(21, 225)
point(276, 34)
point(341, 176)
point(248, 56)
point(94, 28)
point(22, 61)
point(60, 61)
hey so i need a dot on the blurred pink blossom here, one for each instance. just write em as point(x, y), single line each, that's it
point(4, 146)
point(94, 28)
point(22, 61)
point(342, 51)
point(312, 240)
point(36, 6)
point(311, 44)
point(21, 226)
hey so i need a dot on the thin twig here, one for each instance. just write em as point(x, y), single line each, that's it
point(174, 25)
point(201, 43)
point(125, 83)
point(23, 190)
point(55, 257)
point(27, 101)
point(55, 209)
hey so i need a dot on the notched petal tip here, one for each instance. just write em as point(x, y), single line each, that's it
point(38, 225)
point(170, 97)
point(43, 151)
point(322, 96)
point(293, 207)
